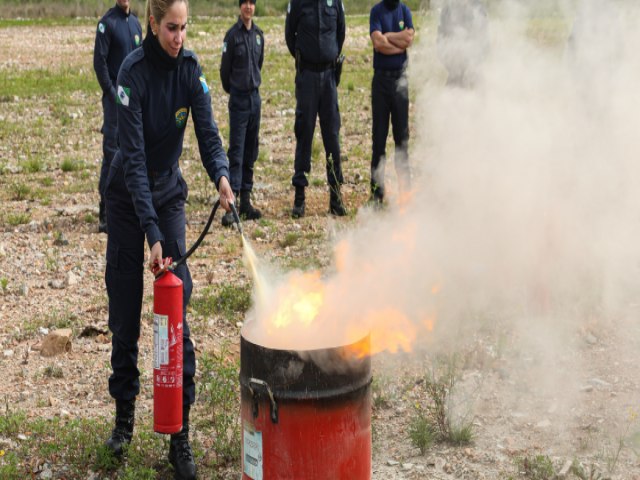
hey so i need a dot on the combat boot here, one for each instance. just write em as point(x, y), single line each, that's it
point(298, 203)
point(336, 206)
point(248, 211)
point(123, 431)
point(180, 454)
point(227, 219)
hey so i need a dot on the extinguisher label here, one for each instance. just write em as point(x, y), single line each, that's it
point(160, 340)
point(252, 461)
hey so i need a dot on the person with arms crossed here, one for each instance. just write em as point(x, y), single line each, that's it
point(391, 30)
point(118, 34)
point(158, 85)
point(242, 58)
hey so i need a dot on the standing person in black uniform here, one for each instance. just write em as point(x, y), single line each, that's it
point(242, 58)
point(391, 30)
point(315, 31)
point(463, 41)
point(118, 33)
point(157, 86)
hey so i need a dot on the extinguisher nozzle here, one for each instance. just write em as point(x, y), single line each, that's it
point(236, 217)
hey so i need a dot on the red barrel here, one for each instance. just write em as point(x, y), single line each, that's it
point(167, 354)
point(303, 420)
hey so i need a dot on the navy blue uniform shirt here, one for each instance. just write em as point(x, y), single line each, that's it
point(153, 108)
point(316, 28)
point(118, 34)
point(384, 20)
point(242, 58)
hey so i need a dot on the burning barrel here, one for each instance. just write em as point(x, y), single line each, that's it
point(306, 415)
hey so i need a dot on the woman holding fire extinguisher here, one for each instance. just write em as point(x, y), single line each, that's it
point(157, 86)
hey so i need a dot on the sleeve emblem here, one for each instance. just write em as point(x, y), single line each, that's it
point(203, 82)
point(101, 27)
point(181, 117)
point(123, 95)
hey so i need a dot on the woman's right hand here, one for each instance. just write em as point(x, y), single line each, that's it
point(156, 263)
point(226, 194)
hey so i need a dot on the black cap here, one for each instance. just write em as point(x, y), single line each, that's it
point(240, 2)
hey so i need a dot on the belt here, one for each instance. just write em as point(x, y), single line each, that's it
point(316, 67)
point(161, 173)
point(236, 91)
point(390, 73)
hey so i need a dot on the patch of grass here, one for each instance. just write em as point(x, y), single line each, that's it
point(33, 165)
point(228, 300)
point(89, 218)
point(26, 83)
point(4, 283)
point(70, 165)
point(421, 433)
point(439, 386)
point(290, 239)
point(539, 467)
point(258, 233)
point(15, 219)
point(20, 191)
point(53, 371)
point(47, 182)
point(219, 392)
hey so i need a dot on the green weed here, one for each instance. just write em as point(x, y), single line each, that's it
point(15, 219)
point(20, 191)
point(290, 239)
point(53, 371)
point(219, 392)
point(70, 165)
point(229, 301)
point(421, 432)
point(539, 467)
point(33, 165)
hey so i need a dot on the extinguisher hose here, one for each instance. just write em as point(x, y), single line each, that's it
point(197, 243)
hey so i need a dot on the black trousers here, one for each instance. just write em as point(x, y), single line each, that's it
point(244, 128)
point(389, 100)
point(109, 139)
point(124, 275)
point(317, 96)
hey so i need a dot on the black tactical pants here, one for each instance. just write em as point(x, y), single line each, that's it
point(109, 139)
point(124, 275)
point(244, 128)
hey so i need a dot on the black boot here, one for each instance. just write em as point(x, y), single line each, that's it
point(336, 207)
point(227, 218)
point(102, 217)
point(180, 454)
point(248, 211)
point(123, 431)
point(298, 203)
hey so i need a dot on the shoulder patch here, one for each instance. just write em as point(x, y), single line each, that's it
point(224, 47)
point(258, 39)
point(123, 95)
point(203, 82)
point(181, 117)
point(137, 40)
point(289, 7)
point(101, 27)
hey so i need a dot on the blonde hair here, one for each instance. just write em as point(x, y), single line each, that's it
point(159, 8)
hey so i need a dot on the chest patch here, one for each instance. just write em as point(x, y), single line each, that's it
point(181, 117)
point(329, 3)
point(401, 24)
point(258, 41)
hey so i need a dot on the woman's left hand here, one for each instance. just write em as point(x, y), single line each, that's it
point(226, 194)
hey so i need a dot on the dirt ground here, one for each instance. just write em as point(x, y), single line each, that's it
point(579, 404)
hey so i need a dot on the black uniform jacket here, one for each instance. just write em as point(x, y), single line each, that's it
point(242, 58)
point(316, 28)
point(117, 35)
point(153, 108)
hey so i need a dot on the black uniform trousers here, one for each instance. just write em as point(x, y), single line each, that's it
point(124, 275)
point(244, 128)
point(109, 139)
point(390, 98)
point(317, 96)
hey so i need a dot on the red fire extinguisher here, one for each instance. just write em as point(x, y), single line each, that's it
point(167, 353)
point(167, 339)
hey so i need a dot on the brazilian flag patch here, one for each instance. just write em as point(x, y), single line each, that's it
point(203, 82)
point(123, 95)
point(181, 117)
